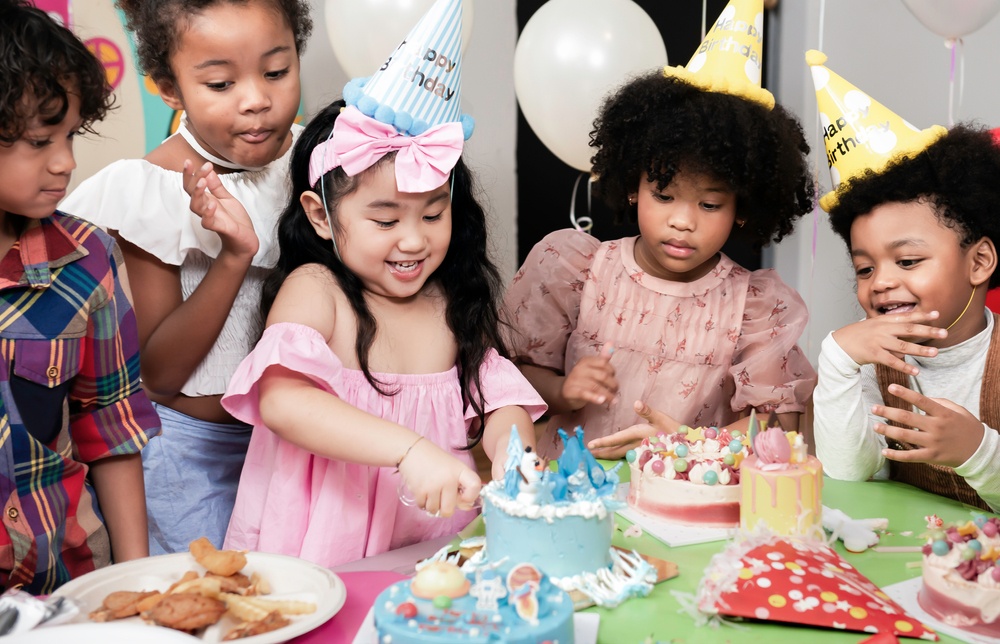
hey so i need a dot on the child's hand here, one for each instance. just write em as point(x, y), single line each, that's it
point(592, 380)
point(439, 482)
point(949, 435)
point(220, 212)
point(614, 446)
point(887, 338)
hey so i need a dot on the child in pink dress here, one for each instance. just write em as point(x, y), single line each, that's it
point(381, 362)
point(665, 318)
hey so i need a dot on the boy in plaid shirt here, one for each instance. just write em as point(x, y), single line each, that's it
point(72, 414)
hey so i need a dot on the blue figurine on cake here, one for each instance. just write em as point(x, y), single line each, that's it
point(561, 520)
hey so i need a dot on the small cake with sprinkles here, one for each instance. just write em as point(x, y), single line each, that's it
point(961, 578)
point(443, 604)
point(690, 477)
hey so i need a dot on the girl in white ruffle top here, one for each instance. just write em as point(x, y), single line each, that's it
point(234, 70)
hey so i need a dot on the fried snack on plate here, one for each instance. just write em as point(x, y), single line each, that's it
point(252, 609)
point(188, 576)
point(220, 562)
point(237, 583)
point(271, 622)
point(205, 586)
point(186, 612)
point(120, 604)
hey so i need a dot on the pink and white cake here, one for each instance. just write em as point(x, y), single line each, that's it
point(691, 477)
point(961, 576)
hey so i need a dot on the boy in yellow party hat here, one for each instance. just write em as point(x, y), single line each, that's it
point(917, 209)
point(691, 155)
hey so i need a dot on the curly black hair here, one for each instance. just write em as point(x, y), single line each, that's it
point(469, 280)
point(40, 63)
point(958, 175)
point(657, 125)
point(157, 25)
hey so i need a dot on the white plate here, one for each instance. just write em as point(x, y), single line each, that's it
point(101, 634)
point(289, 578)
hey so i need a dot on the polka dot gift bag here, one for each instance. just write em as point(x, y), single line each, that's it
point(787, 580)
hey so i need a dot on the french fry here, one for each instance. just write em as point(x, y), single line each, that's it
point(242, 609)
point(188, 576)
point(258, 585)
point(283, 606)
point(206, 586)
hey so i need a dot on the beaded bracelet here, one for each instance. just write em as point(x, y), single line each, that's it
point(412, 445)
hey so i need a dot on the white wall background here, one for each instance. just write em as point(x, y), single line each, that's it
point(875, 44)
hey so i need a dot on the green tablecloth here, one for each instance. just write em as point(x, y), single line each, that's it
point(657, 615)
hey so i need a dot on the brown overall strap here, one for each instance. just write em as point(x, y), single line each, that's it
point(938, 478)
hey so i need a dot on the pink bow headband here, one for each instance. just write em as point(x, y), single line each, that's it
point(357, 142)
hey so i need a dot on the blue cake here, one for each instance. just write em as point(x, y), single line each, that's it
point(443, 604)
point(561, 521)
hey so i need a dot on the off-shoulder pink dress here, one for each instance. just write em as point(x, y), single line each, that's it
point(701, 351)
point(291, 501)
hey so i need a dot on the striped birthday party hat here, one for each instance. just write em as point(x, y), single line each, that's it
point(420, 85)
point(411, 106)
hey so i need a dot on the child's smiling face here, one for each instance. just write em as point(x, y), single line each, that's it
point(905, 259)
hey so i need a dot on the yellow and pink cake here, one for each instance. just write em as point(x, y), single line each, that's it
point(781, 485)
point(961, 578)
point(691, 477)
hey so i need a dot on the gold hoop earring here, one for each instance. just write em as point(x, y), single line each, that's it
point(741, 223)
point(631, 200)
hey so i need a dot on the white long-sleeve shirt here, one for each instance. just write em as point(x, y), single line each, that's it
point(846, 441)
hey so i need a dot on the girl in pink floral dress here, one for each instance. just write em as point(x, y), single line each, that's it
point(665, 318)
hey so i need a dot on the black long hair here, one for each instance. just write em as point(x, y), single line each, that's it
point(657, 125)
point(467, 277)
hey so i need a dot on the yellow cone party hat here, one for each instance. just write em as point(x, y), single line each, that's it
point(860, 133)
point(730, 59)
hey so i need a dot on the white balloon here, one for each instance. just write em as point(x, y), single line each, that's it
point(570, 55)
point(364, 33)
point(953, 18)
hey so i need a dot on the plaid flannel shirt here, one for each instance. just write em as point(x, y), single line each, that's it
point(70, 351)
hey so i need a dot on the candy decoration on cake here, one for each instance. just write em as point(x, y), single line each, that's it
point(799, 582)
point(961, 575)
point(860, 133)
point(439, 579)
point(690, 477)
point(489, 611)
point(781, 485)
point(524, 581)
point(561, 521)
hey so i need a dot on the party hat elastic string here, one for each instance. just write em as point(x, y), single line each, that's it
point(967, 305)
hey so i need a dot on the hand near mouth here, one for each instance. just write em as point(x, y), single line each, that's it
point(945, 434)
point(885, 339)
point(220, 212)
